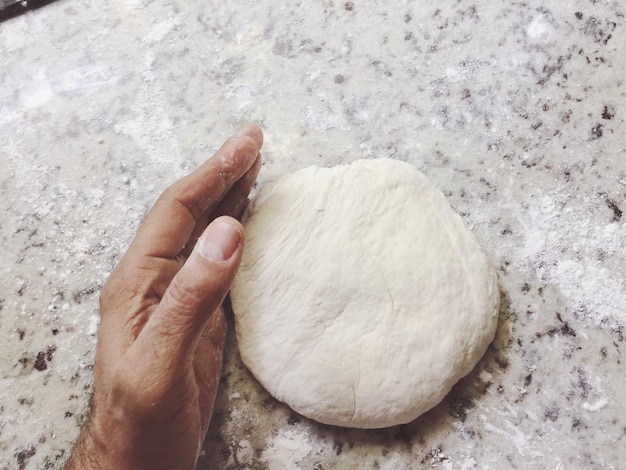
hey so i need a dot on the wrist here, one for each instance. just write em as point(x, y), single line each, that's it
point(101, 445)
point(89, 452)
point(109, 445)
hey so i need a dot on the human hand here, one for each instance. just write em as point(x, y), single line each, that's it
point(162, 328)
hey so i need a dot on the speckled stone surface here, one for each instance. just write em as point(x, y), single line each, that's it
point(515, 110)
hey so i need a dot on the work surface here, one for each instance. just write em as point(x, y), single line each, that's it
point(515, 110)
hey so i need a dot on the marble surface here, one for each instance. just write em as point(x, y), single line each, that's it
point(515, 110)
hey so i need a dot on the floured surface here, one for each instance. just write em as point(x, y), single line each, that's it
point(514, 110)
point(361, 297)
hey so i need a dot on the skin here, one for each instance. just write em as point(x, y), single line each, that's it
point(162, 327)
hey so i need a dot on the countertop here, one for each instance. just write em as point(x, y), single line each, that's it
point(515, 110)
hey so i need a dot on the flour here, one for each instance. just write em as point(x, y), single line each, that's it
point(566, 248)
point(596, 406)
point(287, 449)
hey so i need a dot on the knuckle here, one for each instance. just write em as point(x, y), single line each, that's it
point(182, 295)
point(146, 396)
point(110, 291)
point(131, 390)
point(118, 287)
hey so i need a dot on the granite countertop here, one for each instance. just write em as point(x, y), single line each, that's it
point(515, 110)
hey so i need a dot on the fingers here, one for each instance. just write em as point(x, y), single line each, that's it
point(236, 200)
point(169, 225)
point(233, 204)
point(194, 295)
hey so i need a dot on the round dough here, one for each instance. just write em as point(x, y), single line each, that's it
point(361, 298)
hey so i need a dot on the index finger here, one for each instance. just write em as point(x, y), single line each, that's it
point(169, 224)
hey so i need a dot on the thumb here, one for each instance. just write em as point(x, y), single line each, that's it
point(196, 291)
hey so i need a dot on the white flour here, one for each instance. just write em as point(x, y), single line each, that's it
point(566, 248)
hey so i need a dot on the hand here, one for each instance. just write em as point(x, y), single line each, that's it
point(162, 328)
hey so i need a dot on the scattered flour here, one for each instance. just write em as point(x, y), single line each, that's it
point(539, 30)
point(596, 406)
point(287, 449)
point(567, 248)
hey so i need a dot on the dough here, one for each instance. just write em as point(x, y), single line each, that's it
point(361, 298)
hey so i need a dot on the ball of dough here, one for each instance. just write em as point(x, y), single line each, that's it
point(362, 298)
